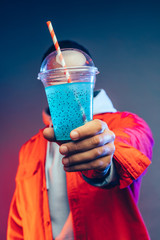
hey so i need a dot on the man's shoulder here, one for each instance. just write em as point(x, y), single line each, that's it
point(125, 118)
point(115, 116)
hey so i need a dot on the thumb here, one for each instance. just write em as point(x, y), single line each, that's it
point(48, 134)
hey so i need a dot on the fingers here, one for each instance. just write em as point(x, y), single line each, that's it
point(89, 129)
point(87, 158)
point(48, 134)
point(92, 147)
point(87, 144)
point(98, 164)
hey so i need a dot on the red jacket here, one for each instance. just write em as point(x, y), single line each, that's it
point(98, 213)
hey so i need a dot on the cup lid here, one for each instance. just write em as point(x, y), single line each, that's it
point(75, 59)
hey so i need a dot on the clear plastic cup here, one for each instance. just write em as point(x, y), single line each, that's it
point(70, 104)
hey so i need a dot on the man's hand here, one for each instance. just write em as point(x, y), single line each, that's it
point(92, 147)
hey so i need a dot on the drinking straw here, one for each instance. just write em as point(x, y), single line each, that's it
point(56, 44)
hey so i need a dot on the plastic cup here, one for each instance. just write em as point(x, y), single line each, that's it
point(70, 104)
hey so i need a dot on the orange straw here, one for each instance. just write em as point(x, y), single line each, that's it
point(53, 36)
point(49, 24)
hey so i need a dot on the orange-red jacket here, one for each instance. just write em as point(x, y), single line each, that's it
point(98, 213)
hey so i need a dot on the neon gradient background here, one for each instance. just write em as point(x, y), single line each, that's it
point(123, 38)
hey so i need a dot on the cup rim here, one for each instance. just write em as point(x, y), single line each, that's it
point(70, 69)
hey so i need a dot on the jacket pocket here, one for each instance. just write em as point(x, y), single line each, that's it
point(27, 170)
point(29, 182)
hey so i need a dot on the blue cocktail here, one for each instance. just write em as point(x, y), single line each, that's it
point(67, 103)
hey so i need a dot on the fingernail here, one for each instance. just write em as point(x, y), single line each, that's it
point(63, 149)
point(66, 169)
point(74, 135)
point(65, 161)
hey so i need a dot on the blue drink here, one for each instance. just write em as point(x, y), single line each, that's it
point(67, 103)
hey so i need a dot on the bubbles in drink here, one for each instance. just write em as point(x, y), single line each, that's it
point(65, 101)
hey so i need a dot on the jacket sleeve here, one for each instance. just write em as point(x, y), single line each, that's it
point(133, 149)
point(15, 226)
point(15, 229)
point(133, 146)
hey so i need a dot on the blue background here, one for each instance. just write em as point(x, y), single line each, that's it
point(123, 38)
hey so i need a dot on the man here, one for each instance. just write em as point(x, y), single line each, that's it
point(87, 188)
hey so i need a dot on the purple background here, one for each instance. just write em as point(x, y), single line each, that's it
point(124, 40)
